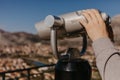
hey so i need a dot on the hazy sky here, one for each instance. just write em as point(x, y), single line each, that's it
point(21, 15)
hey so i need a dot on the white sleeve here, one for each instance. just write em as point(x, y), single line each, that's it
point(107, 61)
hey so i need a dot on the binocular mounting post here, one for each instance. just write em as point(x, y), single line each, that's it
point(70, 66)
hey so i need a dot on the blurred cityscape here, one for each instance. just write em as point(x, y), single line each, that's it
point(19, 50)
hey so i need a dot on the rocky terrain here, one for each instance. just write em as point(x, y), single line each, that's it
point(16, 49)
point(115, 22)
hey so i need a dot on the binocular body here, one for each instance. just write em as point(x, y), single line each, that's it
point(67, 23)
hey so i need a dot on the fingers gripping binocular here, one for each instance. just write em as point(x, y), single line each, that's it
point(69, 66)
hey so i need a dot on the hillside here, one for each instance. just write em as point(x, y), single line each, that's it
point(115, 22)
point(17, 38)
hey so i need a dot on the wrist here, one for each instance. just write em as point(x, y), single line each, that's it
point(99, 37)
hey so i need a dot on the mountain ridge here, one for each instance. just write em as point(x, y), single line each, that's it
point(17, 38)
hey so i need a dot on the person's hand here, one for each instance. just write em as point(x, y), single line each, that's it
point(95, 25)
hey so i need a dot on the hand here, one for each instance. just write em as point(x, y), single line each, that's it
point(95, 25)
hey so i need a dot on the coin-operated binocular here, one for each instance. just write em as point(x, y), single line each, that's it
point(70, 66)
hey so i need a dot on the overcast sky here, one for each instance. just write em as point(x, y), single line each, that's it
point(21, 15)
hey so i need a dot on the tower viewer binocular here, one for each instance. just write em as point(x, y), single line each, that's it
point(70, 66)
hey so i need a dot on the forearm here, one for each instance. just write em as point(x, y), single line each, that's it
point(103, 50)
